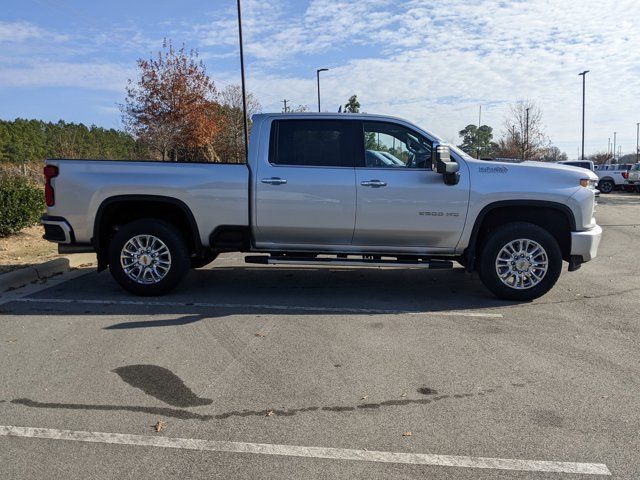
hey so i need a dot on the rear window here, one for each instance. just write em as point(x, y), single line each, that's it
point(312, 143)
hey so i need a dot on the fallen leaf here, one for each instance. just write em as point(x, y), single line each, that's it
point(403, 394)
point(407, 434)
point(270, 413)
point(365, 397)
point(159, 425)
point(258, 334)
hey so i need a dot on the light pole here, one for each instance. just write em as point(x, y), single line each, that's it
point(478, 132)
point(244, 91)
point(614, 147)
point(318, 80)
point(584, 76)
point(637, 142)
point(526, 136)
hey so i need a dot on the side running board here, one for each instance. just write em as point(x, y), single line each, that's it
point(348, 262)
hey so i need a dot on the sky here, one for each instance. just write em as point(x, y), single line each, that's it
point(431, 62)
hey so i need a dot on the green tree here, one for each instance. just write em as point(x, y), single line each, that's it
point(352, 105)
point(477, 142)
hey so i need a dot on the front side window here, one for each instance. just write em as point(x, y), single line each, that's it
point(388, 145)
point(312, 143)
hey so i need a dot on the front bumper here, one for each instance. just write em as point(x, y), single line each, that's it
point(585, 244)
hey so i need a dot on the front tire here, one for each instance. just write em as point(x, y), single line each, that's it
point(148, 257)
point(520, 261)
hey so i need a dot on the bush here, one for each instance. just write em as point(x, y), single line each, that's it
point(21, 204)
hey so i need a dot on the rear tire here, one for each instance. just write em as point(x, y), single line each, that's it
point(606, 186)
point(148, 257)
point(520, 261)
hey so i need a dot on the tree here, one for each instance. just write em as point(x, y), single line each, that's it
point(553, 154)
point(34, 140)
point(477, 142)
point(229, 142)
point(352, 105)
point(522, 138)
point(601, 158)
point(171, 106)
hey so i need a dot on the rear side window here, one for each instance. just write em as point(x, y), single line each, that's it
point(312, 143)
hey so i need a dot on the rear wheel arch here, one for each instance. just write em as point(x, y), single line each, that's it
point(122, 209)
point(554, 217)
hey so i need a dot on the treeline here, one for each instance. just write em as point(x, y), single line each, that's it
point(26, 141)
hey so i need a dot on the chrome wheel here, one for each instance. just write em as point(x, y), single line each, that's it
point(145, 259)
point(522, 264)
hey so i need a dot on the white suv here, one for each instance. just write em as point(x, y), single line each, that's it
point(611, 177)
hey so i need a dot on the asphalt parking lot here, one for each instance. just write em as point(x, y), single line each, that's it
point(273, 372)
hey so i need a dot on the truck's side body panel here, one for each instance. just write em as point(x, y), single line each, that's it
point(216, 194)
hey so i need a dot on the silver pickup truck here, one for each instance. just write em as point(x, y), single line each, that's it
point(328, 189)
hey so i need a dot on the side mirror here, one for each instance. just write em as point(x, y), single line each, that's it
point(445, 166)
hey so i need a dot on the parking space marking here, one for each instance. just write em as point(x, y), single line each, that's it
point(308, 452)
point(259, 306)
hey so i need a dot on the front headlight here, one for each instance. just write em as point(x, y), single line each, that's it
point(588, 183)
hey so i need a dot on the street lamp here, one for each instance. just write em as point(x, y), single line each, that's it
point(637, 142)
point(584, 76)
point(318, 80)
point(244, 91)
point(526, 136)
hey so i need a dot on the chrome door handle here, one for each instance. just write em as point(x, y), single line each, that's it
point(373, 183)
point(274, 181)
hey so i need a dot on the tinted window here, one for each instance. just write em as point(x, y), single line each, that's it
point(388, 145)
point(312, 143)
point(579, 164)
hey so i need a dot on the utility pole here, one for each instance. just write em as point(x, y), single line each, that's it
point(244, 91)
point(286, 109)
point(614, 146)
point(637, 142)
point(584, 76)
point(318, 80)
point(526, 137)
point(478, 132)
point(609, 146)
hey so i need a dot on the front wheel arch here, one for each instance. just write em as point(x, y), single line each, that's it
point(552, 216)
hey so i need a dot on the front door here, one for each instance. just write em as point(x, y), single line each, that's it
point(402, 202)
point(305, 193)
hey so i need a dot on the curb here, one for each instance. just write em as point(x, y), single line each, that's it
point(42, 271)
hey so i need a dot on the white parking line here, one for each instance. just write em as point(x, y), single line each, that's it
point(259, 306)
point(308, 452)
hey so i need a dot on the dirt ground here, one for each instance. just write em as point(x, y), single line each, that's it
point(25, 248)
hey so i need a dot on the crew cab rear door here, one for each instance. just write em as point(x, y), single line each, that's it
point(305, 191)
point(402, 202)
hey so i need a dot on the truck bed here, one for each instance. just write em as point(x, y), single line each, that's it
point(216, 193)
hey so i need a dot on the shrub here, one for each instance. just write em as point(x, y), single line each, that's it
point(21, 204)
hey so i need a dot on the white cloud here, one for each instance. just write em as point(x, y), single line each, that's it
point(435, 62)
point(94, 76)
point(16, 32)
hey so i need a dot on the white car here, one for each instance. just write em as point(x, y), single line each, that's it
point(611, 177)
point(633, 177)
